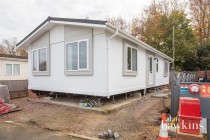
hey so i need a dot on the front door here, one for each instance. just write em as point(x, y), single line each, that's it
point(151, 72)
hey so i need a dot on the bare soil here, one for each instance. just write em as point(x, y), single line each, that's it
point(138, 121)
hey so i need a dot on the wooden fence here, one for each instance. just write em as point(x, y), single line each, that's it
point(17, 88)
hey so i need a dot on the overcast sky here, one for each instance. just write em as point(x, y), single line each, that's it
point(20, 17)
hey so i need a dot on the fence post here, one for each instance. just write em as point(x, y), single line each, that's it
point(172, 77)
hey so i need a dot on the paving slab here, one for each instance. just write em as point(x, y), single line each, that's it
point(160, 95)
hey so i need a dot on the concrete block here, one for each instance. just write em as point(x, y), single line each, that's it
point(101, 135)
point(137, 94)
point(160, 95)
point(106, 134)
point(47, 98)
point(110, 134)
point(116, 135)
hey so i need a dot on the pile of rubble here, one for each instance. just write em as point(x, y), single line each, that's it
point(108, 135)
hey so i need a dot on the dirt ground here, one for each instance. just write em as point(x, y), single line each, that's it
point(136, 121)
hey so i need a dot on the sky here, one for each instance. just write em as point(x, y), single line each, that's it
point(20, 17)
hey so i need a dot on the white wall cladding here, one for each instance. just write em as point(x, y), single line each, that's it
point(57, 34)
point(160, 78)
point(42, 41)
point(118, 83)
point(72, 33)
point(57, 81)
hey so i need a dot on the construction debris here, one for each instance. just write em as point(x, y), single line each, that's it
point(108, 135)
point(116, 135)
point(4, 93)
point(7, 108)
point(4, 108)
point(91, 102)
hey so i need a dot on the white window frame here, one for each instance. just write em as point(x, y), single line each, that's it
point(78, 41)
point(129, 46)
point(38, 59)
point(5, 71)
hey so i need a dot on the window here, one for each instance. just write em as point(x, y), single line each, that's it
point(40, 60)
point(150, 64)
point(12, 69)
point(166, 68)
point(35, 66)
point(156, 65)
point(77, 56)
point(131, 59)
point(16, 69)
point(8, 69)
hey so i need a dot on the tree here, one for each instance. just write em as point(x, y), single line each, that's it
point(2, 50)
point(120, 23)
point(200, 60)
point(146, 25)
point(184, 37)
point(200, 13)
point(203, 57)
point(155, 27)
point(8, 46)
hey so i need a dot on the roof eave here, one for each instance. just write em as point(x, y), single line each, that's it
point(50, 21)
point(139, 42)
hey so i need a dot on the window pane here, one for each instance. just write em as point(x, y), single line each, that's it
point(16, 69)
point(134, 59)
point(35, 61)
point(43, 59)
point(8, 69)
point(150, 64)
point(166, 68)
point(128, 58)
point(72, 56)
point(157, 66)
point(83, 55)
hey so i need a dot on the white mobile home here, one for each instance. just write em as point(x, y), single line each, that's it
point(13, 67)
point(91, 57)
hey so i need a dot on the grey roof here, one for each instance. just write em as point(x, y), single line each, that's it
point(99, 22)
